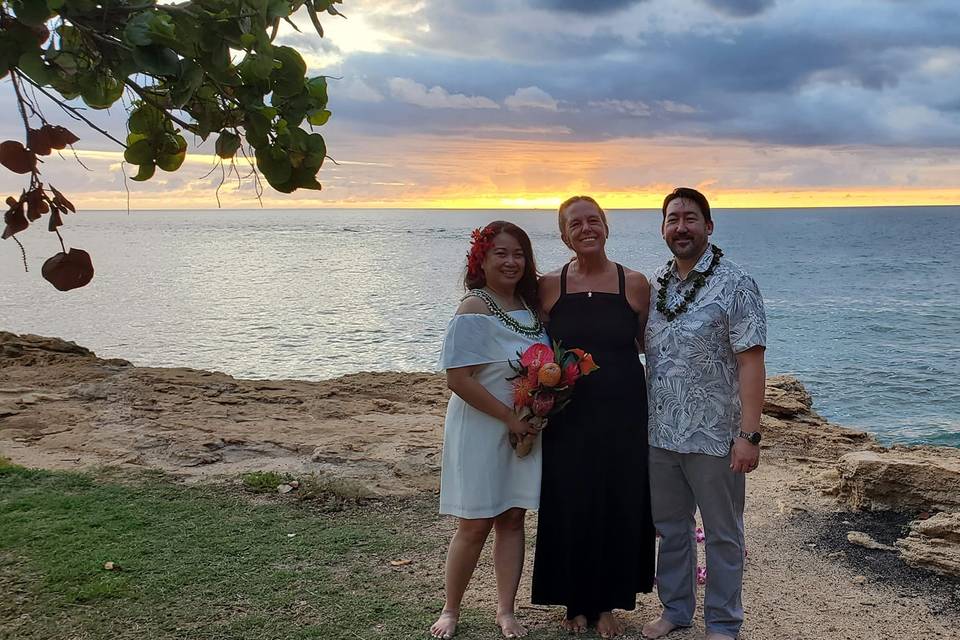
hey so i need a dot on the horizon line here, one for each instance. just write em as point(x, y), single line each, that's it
point(528, 209)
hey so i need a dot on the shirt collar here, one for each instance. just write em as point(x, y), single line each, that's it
point(702, 264)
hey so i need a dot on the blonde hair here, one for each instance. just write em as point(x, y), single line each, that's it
point(569, 202)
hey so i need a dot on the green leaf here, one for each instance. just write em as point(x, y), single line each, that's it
point(227, 144)
point(191, 77)
point(140, 152)
point(288, 79)
point(31, 12)
point(256, 67)
point(319, 117)
point(54, 5)
point(137, 31)
point(172, 161)
point(274, 164)
point(277, 9)
point(146, 172)
point(257, 124)
point(157, 60)
point(100, 91)
point(145, 119)
point(32, 64)
point(247, 40)
point(318, 91)
point(150, 27)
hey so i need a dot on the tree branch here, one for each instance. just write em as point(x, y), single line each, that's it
point(71, 111)
point(146, 97)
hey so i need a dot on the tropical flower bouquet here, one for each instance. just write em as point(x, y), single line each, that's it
point(544, 384)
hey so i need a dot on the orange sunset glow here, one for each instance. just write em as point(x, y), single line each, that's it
point(519, 105)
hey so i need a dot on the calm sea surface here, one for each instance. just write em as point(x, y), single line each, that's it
point(863, 304)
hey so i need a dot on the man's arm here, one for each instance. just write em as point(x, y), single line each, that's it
point(753, 379)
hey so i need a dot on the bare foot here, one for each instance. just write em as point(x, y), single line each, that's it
point(608, 626)
point(446, 625)
point(657, 628)
point(576, 625)
point(509, 626)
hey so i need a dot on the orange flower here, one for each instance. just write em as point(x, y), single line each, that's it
point(522, 388)
point(587, 365)
point(549, 374)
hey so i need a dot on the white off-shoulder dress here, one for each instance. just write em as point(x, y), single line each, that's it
point(481, 475)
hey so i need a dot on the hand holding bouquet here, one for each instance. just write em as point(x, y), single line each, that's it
point(544, 384)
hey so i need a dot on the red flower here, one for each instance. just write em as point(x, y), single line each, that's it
point(536, 356)
point(570, 374)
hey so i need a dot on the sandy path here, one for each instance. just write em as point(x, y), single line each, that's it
point(63, 408)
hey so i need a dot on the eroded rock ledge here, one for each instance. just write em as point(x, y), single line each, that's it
point(63, 407)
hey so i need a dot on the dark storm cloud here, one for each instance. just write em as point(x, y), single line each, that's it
point(740, 8)
point(793, 74)
point(585, 6)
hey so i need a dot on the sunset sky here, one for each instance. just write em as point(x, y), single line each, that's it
point(520, 103)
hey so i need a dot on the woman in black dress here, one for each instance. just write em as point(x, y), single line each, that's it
point(595, 536)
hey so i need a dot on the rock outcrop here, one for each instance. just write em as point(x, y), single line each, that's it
point(934, 544)
point(901, 479)
point(792, 429)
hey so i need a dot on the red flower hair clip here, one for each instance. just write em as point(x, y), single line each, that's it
point(481, 241)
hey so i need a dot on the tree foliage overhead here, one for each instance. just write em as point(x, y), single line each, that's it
point(202, 68)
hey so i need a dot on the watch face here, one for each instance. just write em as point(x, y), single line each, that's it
point(755, 437)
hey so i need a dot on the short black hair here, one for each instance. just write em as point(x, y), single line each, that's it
point(688, 194)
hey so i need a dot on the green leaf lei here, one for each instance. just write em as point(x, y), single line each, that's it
point(525, 330)
point(691, 293)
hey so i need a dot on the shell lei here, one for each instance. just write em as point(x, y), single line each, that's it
point(530, 331)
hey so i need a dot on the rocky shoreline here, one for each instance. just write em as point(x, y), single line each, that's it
point(62, 407)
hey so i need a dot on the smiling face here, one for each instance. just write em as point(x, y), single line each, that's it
point(584, 228)
point(505, 262)
point(685, 229)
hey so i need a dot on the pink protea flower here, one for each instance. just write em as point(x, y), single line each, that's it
point(542, 404)
point(701, 575)
point(700, 536)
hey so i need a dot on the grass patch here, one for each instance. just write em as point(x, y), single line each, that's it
point(263, 481)
point(205, 563)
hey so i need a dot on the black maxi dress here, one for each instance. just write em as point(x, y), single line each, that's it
point(595, 535)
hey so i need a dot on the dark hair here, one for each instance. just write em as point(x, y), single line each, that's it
point(527, 287)
point(575, 199)
point(686, 193)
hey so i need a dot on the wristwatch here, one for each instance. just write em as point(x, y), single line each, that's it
point(753, 437)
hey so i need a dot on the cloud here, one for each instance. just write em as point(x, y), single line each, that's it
point(411, 92)
point(740, 8)
point(359, 91)
point(634, 108)
point(531, 98)
point(676, 107)
point(580, 6)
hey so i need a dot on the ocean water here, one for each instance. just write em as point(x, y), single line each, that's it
point(863, 304)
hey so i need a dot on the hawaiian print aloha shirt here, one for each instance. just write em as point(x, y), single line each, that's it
point(692, 373)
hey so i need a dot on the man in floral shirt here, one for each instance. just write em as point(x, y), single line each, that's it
point(704, 342)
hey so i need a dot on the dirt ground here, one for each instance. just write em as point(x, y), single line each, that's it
point(61, 407)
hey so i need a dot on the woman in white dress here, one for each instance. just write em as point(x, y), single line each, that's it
point(483, 482)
